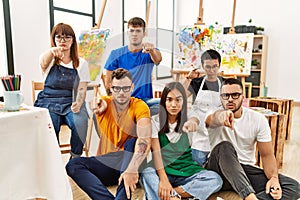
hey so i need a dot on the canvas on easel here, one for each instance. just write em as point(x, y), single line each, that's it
point(92, 45)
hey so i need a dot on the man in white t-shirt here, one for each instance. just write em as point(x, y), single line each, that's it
point(234, 132)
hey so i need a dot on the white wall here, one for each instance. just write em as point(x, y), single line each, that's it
point(30, 31)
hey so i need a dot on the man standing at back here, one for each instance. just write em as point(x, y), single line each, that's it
point(139, 59)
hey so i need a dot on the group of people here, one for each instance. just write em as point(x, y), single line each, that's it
point(193, 153)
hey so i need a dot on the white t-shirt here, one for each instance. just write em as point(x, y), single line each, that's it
point(83, 70)
point(248, 129)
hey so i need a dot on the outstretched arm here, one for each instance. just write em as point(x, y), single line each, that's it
point(220, 118)
point(49, 55)
point(142, 148)
point(154, 53)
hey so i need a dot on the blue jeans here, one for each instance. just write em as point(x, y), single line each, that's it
point(93, 174)
point(153, 105)
point(78, 123)
point(200, 185)
point(200, 156)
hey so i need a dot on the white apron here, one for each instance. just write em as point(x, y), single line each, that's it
point(205, 101)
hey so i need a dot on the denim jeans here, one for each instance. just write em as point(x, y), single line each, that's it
point(200, 156)
point(93, 174)
point(246, 179)
point(78, 123)
point(200, 185)
point(153, 105)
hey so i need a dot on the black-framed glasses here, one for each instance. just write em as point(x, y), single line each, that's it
point(117, 89)
point(211, 67)
point(234, 95)
point(66, 38)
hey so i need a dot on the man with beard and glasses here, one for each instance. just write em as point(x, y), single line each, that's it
point(124, 126)
point(234, 133)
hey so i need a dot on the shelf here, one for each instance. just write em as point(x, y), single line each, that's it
point(255, 70)
point(257, 54)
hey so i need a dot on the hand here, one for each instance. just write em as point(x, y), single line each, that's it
point(193, 74)
point(273, 188)
point(75, 107)
point(226, 118)
point(147, 47)
point(130, 181)
point(98, 105)
point(57, 52)
point(165, 189)
point(191, 125)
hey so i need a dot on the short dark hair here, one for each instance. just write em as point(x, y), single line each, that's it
point(210, 55)
point(137, 22)
point(163, 115)
point(232, 81)
point(121, 73)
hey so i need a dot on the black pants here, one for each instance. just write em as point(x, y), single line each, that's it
point(245, 179)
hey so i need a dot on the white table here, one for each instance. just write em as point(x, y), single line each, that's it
point(31, 165)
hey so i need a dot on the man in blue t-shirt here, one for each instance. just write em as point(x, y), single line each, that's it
point(138, 58)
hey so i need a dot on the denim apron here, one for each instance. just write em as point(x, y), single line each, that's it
point(60, 89)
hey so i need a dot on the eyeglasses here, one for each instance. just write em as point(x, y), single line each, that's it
point(66, 38)
point(235, 95)
point(117, 89)
point(211, 67)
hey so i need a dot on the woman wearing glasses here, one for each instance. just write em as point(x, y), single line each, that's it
point(66, 77)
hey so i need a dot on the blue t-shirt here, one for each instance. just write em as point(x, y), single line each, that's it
point(139, 64)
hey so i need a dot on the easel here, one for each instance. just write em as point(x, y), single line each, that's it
point(232, 31)
point(200, 16)
point(148, 13)
point(101, 14)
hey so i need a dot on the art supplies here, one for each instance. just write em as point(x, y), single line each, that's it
point(11, 82)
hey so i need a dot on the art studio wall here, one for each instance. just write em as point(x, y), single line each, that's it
point(31, 28)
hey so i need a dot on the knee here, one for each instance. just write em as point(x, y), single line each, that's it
point(216, 179)
point(72, 166)
point(224, 147)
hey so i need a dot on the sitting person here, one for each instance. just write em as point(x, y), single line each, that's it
point(234, 132)
point(125, 130)
point(139, 59)
point(205, 91)
point(66, 77)
point(174, 173)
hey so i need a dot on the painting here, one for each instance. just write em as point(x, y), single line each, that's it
point(236, 53)
point(92, 45)
point(192, 41)
point(235, 49)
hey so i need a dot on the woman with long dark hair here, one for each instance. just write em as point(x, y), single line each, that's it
point(172, 173)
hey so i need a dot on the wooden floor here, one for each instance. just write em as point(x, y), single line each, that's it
point(291, 164)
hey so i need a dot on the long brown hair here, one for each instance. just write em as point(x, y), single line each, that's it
point(65, 29)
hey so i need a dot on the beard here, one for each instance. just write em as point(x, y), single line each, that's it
point(237, 107)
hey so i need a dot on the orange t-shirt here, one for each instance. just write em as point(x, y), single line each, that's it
point(116, 128)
